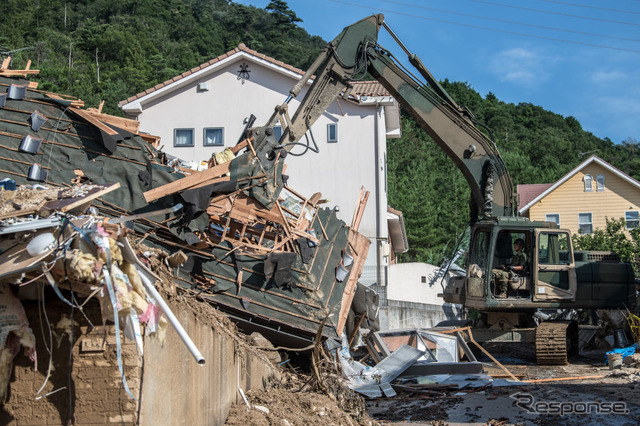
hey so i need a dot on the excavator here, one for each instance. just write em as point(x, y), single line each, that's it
point(556, 277)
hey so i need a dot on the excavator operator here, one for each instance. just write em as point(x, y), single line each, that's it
point(518, 266)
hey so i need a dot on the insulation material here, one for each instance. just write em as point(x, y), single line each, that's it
point(14, 333)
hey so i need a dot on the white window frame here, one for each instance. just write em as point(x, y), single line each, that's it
point(333, 126)
point(627, 220)
point(204, 136)
point(589, 223)
point(600, 183)
point(588, 183)
point(175, 137)
point(547, 219)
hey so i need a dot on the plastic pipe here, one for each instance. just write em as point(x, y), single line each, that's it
point(172, 318)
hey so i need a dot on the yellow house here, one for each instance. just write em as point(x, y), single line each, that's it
point(584, 198)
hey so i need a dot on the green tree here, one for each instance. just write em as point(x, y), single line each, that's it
point(613, 238)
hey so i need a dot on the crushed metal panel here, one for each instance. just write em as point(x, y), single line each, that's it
point(401, 359)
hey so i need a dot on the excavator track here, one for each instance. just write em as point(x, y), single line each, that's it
point(556, 342)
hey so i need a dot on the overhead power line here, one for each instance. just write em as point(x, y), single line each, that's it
point(504, 21)
point(411, 15)
point(493, 3)
point(586, 6)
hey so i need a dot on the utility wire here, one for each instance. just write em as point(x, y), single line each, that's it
point(411, 15)
point(504, 21)
point(586, 6)
point(555, 13)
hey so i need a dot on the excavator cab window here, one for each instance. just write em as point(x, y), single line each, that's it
point(553, 249)
point(478, 260)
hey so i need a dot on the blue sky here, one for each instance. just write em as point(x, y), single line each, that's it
point(576, 58)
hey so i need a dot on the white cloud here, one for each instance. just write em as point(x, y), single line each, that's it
point(607, 77)
point(520, 66)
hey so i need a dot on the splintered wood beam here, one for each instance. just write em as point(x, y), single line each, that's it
point(5, 63)
point(78, 103)
point(359, 212)
point(247, 209)
point(18, 73)
point(295, 193)
point(90, 118)
point(362, 245)
point(241, 145)
point(315, 198)
point(151, 139)
point(285, 223)
point(187, 182)
point(65, 206)
point(127, 124)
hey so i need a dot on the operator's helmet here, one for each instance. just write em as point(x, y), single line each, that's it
point(519, 241)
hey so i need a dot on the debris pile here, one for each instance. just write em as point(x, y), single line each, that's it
point(93, 211)
point(82, 253)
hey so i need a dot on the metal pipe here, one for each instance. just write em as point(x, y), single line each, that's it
point(171, 317)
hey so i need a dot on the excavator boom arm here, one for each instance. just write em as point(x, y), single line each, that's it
point(352, 55)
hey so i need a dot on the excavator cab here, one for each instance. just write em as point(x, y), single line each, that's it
point(533, 259)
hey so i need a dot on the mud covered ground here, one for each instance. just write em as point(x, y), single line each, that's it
point(610, 398)
point(613, 399)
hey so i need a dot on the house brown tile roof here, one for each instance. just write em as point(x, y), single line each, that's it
point(362, 88)
point(369, 88)
point(528, 193)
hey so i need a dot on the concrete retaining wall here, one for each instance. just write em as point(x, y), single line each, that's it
point(175, 387)
point(399, 315)
point(85, 386)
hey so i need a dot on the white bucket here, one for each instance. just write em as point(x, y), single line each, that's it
point(615, 361)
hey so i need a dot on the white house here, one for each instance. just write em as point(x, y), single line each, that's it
point(202, 110)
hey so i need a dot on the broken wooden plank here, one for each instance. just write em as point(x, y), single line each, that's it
point(315, 198)
point(563, 379)
point(240, 145)
point(359, 212)
point(67, 204)
point(18, 73)
point(187, 182)
point(78, 103)
point(150, 139)
point(479, 346)
point(24, 212)
point(127, 124)
point(88, 117)
point(362, 245)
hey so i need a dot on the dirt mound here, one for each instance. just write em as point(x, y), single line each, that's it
point(283, 407)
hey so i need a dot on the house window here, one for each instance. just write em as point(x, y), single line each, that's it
point(600, 183)
point(585, 223)
point(588, 180)
point(182, 137)
point(632, 218)
point(553, 217)
point(213, 136)
point(332, 132)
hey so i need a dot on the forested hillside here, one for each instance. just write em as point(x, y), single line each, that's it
point(112, 49)
point(538, 146)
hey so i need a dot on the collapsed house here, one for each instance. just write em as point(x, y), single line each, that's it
point(235, 234)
